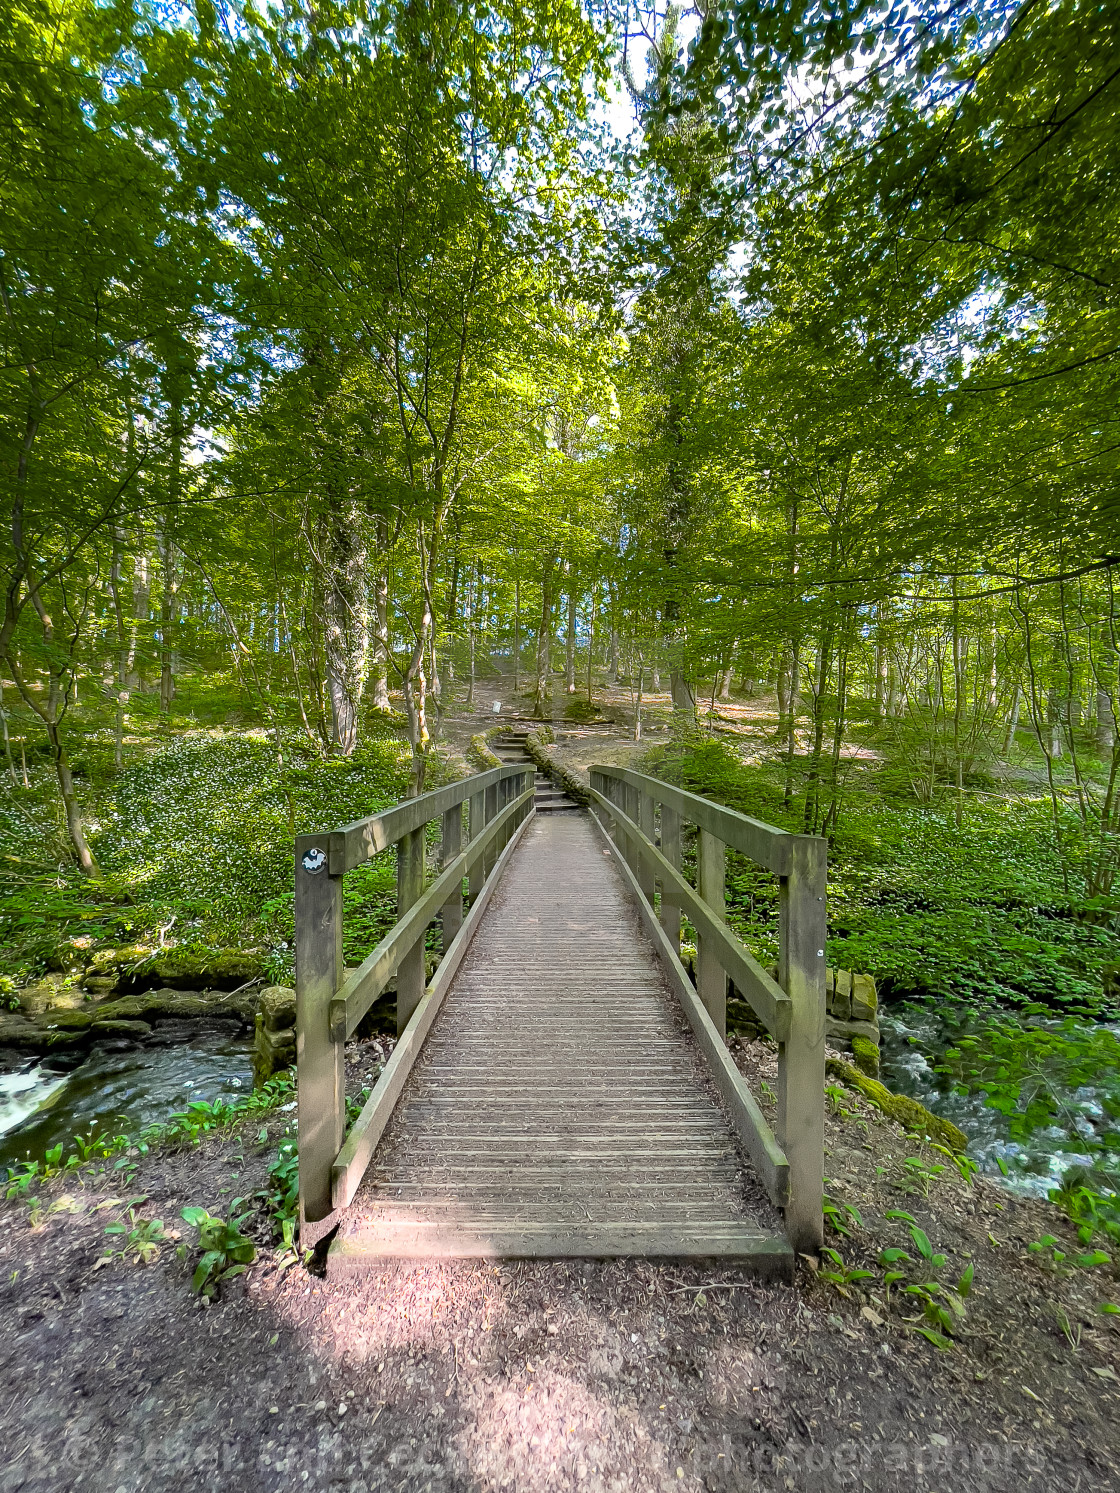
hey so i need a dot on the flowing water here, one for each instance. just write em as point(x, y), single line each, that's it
point(915, 1037)
point(118, 1091)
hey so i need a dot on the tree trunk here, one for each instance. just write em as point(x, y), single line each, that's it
point(381, 615)
point(729, 673)
point(1106, 722)
point(570, 646)
point(544, 646)
point(141, 601)
point(517, 636)
point(1012, 720)
point(347, 622)
point(123, 651)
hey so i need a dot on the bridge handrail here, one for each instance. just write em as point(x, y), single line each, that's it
point(330, 1003)
point(793, 1007)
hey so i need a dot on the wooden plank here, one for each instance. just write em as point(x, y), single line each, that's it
point(321, 1080)
point(764, 843)
point(366, 983)
point(365, 838)
point(767, 1254)
point(769, 1001)
point(801, 968)
point(645, 867)
point(351, 1161)
point(619, 1131)
point(750, 1123)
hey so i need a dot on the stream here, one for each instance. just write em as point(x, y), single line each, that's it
point(1082, 1132)
point(123, 1089)
point(119, 1091)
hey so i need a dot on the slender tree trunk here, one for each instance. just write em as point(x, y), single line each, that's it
point(122, 692)
point(570, 645)
point(475, 582)
point(141, 604)
point(517, 635)
point(544, 645)
point(592, 609)
point(347, 622)
point(7, 740)
point(1012, 719)
point(381, 615)
point(729, 672)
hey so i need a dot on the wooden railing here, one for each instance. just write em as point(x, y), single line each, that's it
point(644, 818)
point(330, 1004)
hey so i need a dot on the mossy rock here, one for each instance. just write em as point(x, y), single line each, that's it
point(70, 1021)
point(137, 1030)
point(205, 969)
point(276, 1009)
point(908, 1112)
point(866, 1054)
point(46, 996)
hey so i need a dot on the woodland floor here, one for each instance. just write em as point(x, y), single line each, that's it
point(538, 1376)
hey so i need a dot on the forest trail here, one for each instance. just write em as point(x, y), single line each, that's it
point(560, 1107)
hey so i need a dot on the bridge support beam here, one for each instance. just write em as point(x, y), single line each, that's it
point(801, 971)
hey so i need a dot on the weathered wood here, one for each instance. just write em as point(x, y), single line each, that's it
point(362, 987)
point(322, 1080)
point(763, 1148)
point(410, 886)
point(711, 980)
point(768, 1255)
point(489, 814)
point(488, 1152)
point(476, 824)
point(763, 843)
point(769, 1001)
point(365, 838)
point(351, 1161)
point(451, 845)
point(801, 971)
point(671, 850)
point(644, 865)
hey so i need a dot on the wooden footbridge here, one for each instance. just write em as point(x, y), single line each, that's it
point(560, 1087)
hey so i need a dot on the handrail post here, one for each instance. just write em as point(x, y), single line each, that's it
point(476, 823)
point(451, 843)
point(671, 850)
point(644, 869)
point(490, 812)
point(320, 1068)
point(801, 972)
point(711, 980)
point(630, 809)
point(411, 974)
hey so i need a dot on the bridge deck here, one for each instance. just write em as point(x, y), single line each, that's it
point(560, 1107)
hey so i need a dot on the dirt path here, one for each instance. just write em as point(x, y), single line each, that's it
point(535, 1377)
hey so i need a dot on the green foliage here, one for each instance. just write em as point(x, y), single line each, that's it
point(225, 1252)
point(185, 1128)
point(194, 840)
point(1053, 1257)
point(142, 1239)
point(979, 911)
